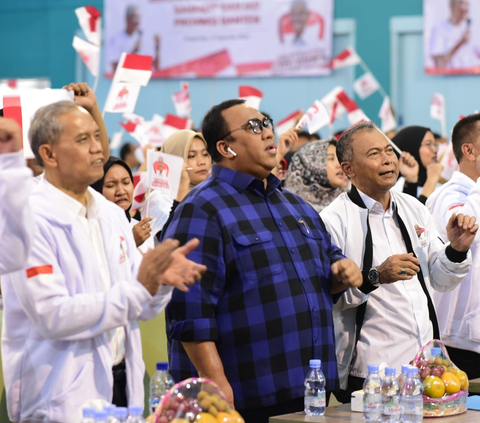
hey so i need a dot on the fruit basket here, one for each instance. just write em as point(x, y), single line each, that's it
point(445, 386)
point(195, 400)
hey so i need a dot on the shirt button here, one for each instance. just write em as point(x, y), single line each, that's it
point(256, 238)
point(316, 341)
point(292, 251)
point(280, 224)
point(314, 309)
point(303, 279)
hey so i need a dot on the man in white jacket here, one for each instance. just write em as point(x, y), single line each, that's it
point(16, 219)
point(459, 318)
point(392, 237)
point(70, 328)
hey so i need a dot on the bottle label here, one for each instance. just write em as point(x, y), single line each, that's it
point(392, 409)
point(370, 407)
point(319, 400)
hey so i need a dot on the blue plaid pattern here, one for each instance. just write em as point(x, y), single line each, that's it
point(265, 299)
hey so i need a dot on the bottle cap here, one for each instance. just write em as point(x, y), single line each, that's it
point(436, 352)
point(120, 412)
point(412, 371)
point(390, 371)
point(109, 408)
point(405, 367)
point(315, 364)
point(136, 409)
point(373, 368)
point(88, 412)
point(162, 366)
point(100, 414)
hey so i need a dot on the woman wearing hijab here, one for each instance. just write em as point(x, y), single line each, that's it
point(421, 144)
point(315, 174)
point(117, 187)
point(192, 148)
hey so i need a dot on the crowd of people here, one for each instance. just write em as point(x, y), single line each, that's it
point(352, 254)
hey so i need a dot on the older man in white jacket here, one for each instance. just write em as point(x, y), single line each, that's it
point(392, 237)
point(71, 314)
point(16, 219)
point(460, 317)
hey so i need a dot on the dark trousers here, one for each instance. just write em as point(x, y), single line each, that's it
point(263, 414)
point(465, 360)
point(354, 384)
point(119, 385)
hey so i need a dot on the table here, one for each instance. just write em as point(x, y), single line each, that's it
point(342, 413)
point(474, 387)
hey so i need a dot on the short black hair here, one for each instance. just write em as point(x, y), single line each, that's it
point(126, 149)
point(344, 144)
point(315, 137)
point(465, 131)
point(303, 134)
point(214, 126)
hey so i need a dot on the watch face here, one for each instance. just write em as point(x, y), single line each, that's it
point(373, 276)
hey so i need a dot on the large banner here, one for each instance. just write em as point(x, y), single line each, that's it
point(222, 38)
point(451, 36)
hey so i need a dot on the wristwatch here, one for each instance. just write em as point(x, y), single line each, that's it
point(374, 276)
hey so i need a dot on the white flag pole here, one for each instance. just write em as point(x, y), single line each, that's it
point(444, 121)
point(395, 146)
point(367, 69)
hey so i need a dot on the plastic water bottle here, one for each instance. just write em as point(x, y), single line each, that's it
point(110, 416)
point(121, 414)
point(101, 416)
point(391, 409)
point(371, 395)
point(403, 376)
point(315, 401)
point(136, 414)
point(411, 398)
point(160, 383)
point(88, 415)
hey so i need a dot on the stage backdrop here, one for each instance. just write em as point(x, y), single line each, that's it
point(451, 36)
point(222, 38)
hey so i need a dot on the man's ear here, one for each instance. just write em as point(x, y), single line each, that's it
point(222, 148)
point(468, 150)
point(48, 155)
point(348, 169)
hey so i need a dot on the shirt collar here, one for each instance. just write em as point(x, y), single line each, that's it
point(74, 207)
point(242, 181)
point(375, 206)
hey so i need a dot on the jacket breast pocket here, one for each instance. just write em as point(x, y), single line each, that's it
point(313, 246)
point(257, 253)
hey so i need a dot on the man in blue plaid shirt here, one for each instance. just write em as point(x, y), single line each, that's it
point(263, 309)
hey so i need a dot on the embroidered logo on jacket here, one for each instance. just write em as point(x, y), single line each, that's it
point(422, 235)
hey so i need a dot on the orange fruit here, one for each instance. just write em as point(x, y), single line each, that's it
point(463, 378)
point(237, 415)
point(205, 418)
point(223, 417)
point(452, 383)
point(433, 387)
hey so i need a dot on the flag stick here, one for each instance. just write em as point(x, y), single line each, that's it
point(444, 124)
point(148, 202)
point(395, 146)
point(367, 69)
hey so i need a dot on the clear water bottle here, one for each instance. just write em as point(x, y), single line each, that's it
point(121, 414)
point(411, 398)
point(391, 409)
point(315, 401)
point(136, 414)
point(110, 409)
point(403, 375)
point(371, 395)
point(160, 383)
point(88, 415)
point(101, 416)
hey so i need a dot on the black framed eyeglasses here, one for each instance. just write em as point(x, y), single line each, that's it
point(256, 125)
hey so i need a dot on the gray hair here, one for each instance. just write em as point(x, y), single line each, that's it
point(344, 144)
point(132, 10)
point(45, 127)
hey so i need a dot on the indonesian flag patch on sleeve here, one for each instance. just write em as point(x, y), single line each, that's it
point(40, 270)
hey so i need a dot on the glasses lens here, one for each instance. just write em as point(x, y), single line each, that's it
point(256, 125)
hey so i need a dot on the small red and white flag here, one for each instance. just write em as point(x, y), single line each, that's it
point(22, 107)
point(153, 131)
point(136, 130)
point(181, 101)
point(347, 57)
point(354, 113)
point(90, 20)
point(140, 191)
point(89, 53)
point(334, 108)
point(437, 107)
point(386, 114)
point(122, 97)
point(251, 95)
point(316, 117)
point(173, 123)
point(366, 85)
point(116, 140)
point(134, 68)
point(288, 123)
